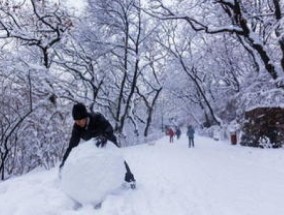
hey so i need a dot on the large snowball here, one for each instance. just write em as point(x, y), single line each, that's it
point(90, 173)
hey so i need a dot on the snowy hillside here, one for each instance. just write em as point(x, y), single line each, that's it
point(214, 178)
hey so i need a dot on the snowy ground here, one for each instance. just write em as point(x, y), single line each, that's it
point(214, 178)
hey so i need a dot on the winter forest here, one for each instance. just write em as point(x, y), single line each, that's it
point(144, 64)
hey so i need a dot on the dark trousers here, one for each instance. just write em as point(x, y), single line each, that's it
point(191, 142)
point(102, 142)
point(128, 175)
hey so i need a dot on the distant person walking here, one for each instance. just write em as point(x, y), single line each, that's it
point(190, 133)
point(178, 132)
point(170, 132)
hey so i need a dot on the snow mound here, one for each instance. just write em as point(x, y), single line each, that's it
point(91, 173)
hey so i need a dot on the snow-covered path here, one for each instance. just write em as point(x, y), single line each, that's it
point(214, 178)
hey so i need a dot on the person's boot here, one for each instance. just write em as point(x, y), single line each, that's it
point(129, 178)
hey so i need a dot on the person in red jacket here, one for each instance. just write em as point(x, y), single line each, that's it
point(171, 134)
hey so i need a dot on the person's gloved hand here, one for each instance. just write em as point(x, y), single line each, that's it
point(101, 141)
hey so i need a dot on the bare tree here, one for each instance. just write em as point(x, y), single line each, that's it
point(108, 60)
point(12, 116)
point(255, 30)
point(40, 24)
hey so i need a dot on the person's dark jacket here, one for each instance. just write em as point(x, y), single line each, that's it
point(97, 126)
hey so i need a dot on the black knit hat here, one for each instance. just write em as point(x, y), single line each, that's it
point(79, 111)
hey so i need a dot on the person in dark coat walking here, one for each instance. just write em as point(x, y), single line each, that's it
point(190, 133)
point(89, 125)
point(178, 132)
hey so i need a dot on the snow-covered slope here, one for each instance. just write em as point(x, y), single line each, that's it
point(214, 178)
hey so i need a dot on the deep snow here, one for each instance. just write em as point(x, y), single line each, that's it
point(214, 178)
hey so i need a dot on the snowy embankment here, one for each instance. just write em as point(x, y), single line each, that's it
point(214, 178)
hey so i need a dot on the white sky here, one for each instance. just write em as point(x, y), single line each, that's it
point(214, 178)
point(76, 6)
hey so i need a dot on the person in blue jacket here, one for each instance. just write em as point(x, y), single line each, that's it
point(190, 133)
